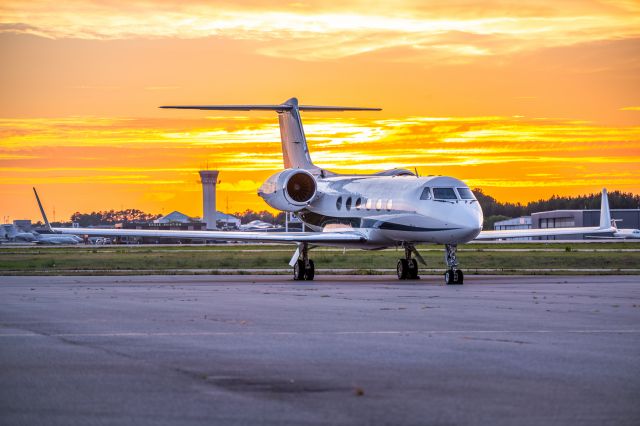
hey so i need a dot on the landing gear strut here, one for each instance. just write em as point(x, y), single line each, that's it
point(304, 269)
point(407, 268)
point(453, 276)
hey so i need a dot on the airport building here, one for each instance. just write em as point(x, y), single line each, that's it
point(523, 222)
point(178, 221)
point(23, 224)
point(626, 218)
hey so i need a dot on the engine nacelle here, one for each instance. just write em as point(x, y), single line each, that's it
point(289, 190)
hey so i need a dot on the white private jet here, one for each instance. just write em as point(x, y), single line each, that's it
point(627, 233)
point(372, 211)
point(12, 234)
point(619, 234)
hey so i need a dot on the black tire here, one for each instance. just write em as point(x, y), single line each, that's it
point(402, 268)
point(298, 271)
point(412, 273)
point(452, 277)
point(310, 272)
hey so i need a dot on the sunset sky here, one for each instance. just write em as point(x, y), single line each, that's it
point(523, 99)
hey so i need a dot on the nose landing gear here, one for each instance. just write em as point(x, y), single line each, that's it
point(453, 276)
point(407, 268)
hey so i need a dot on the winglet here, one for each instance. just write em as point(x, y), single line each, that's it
point(44, 216)
point(605, 213)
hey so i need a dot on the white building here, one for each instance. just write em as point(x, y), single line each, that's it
point(523, 222)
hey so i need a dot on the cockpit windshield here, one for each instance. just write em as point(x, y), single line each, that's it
point(444, 194)
point(426, 194)
point(466, 194)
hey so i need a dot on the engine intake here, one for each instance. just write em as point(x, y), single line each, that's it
point(289, 190)
point(301, 187)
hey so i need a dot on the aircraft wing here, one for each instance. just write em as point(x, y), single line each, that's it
point(543, 232)
point(275, 237)
point(607, 226)
point(331, 237)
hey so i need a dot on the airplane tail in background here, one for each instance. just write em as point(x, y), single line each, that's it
point(295, 151)
point(605, 213)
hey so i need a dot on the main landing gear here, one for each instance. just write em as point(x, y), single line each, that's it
point(407, 268)
point(453, 276)
point(303, 268)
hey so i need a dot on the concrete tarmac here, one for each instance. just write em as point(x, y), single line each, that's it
point(196, 350)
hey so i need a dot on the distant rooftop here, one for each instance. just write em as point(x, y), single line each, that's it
point(176, 216)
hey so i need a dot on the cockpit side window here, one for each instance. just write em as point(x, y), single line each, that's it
point(444, 194)
point(466, 194)
point(426, 194)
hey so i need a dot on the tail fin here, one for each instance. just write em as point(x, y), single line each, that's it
point(295, 152)
point(605, 213)
point(44, 216)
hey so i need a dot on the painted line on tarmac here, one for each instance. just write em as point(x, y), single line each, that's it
point(317, 333)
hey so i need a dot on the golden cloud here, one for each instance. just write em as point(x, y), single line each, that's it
point(444, 30)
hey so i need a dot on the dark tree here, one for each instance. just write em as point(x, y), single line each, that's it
point(492, 207)
point(112, 217)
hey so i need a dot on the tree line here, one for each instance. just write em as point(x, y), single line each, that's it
point(111, 217)
point(265, 216)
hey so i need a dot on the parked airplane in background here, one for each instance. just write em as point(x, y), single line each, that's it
point(12, 233)
point(627, 233)
point(258, 225)
point(620, 234)
point(368, 211)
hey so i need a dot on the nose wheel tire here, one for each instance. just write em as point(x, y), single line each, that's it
point(454, 277)
point(303, 273)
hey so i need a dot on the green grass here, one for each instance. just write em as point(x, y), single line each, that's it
point(93, 259)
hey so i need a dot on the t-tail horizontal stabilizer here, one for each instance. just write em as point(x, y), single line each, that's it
point(295, 152)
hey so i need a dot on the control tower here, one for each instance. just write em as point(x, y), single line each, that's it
point(209, 178)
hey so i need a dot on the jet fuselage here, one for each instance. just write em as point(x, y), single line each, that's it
point(434, 209)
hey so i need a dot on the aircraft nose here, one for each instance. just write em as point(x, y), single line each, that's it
point(470, 222)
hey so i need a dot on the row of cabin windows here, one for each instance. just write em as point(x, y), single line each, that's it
point(358, 204)
point(427, 194)
point(446, 194)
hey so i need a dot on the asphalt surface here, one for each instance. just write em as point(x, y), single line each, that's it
point(194, 350)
